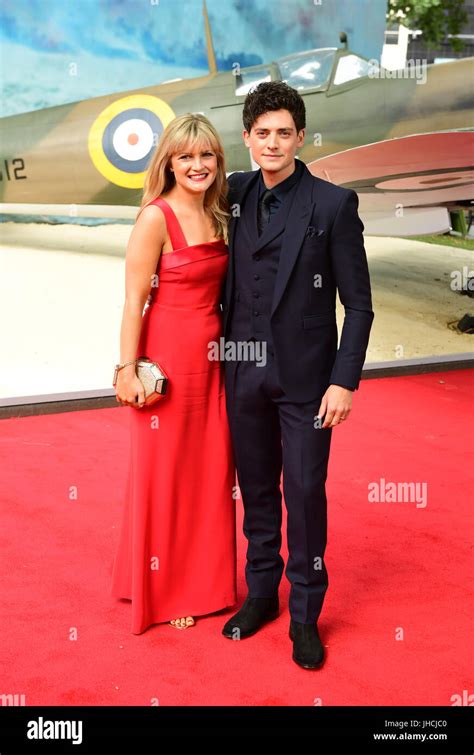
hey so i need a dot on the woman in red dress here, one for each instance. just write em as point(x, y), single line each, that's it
point(176, 555)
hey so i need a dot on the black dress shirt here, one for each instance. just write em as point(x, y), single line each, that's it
point(281, 189)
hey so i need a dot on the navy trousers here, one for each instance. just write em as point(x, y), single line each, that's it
point(269, 435)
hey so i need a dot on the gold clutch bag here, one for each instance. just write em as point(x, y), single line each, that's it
point(153, 378)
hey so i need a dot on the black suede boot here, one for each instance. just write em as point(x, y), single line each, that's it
point(255, 612)
point(308, 650)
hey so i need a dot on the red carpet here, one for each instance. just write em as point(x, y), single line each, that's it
point(396, 621)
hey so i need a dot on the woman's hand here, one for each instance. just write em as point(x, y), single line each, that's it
point(129, 387)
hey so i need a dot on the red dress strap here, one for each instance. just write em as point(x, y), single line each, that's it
point(176, 235)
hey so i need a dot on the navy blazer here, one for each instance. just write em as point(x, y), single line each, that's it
point(322, 250)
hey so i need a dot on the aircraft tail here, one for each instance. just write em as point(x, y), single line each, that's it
point(211, 57)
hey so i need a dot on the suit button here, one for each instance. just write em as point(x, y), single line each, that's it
point(256, 277)
point(256, 313)
point(256, 295)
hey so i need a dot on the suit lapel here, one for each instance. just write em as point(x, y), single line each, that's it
point(236, 200)
point(299, 217)
point(249, 216)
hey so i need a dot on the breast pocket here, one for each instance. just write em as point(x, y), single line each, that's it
point(314, 234)
point(315, 242)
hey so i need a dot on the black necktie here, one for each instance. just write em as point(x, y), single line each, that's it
point(264, 207)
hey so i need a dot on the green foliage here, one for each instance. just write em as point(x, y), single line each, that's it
point(435, 18)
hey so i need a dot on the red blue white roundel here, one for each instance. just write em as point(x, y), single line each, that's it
point(124, 136)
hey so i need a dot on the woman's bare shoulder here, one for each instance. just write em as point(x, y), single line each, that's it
point(151, 211)
point(152, 217)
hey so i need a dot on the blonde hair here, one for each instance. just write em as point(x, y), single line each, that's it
point(183, 133)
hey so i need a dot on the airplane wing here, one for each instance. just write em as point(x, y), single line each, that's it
point(406, 185)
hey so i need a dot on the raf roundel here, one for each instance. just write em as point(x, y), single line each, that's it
point(123, 138)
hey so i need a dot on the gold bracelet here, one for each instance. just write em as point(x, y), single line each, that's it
point(119, 367)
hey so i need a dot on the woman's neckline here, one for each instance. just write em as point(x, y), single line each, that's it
point(190, 246)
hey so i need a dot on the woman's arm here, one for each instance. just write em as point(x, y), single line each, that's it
point(143, 252)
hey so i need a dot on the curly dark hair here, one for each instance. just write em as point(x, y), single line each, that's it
point(273, 95)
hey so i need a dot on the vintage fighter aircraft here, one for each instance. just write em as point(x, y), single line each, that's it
point(404, 144)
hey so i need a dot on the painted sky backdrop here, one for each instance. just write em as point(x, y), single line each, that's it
point(126, 44)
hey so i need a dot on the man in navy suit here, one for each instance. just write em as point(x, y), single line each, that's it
point(294, 240)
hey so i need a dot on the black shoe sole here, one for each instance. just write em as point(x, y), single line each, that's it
point(244, 635)
point(311, 666)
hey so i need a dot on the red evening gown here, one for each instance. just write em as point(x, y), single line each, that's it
point(176, 552)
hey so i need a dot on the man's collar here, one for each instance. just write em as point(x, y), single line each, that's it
point(280, 189)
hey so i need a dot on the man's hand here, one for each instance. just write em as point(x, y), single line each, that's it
point(336, 404)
